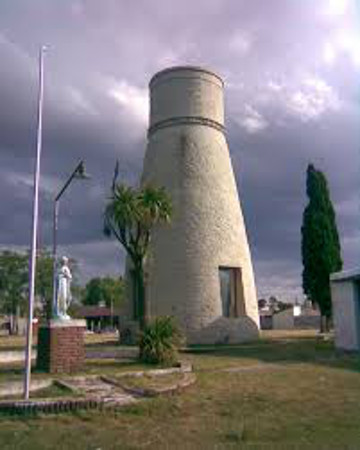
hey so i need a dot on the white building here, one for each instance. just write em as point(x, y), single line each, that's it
point(345, 295)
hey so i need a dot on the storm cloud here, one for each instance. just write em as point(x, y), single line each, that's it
point(291, 73)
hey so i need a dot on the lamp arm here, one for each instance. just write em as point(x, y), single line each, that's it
point(69, 180)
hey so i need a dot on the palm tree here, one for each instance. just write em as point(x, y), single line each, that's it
point(130, 216)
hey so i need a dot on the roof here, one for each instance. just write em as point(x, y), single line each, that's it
point(346, 275)
point(89, 311)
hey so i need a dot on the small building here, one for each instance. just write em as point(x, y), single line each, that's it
point(345, 295)
point(98, 318)
point(293, 317)
point(283, 320)
point(308, 319)
point(266, 319)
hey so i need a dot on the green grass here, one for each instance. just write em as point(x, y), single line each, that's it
point(289, 392)
point(53, 391)
point(15, 371)
point(92, 340)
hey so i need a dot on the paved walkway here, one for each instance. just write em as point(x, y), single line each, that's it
point(101, 390)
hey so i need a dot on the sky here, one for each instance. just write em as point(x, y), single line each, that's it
point(291, 70)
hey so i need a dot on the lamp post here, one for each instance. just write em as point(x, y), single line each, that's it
point(32, 260)
point(78, 173)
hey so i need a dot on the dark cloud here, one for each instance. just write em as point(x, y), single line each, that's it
point(291, 72)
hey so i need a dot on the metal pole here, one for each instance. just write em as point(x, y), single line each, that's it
point(55, 227)
point(79, 170)
point(32, 260)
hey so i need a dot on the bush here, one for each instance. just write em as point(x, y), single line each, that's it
point(159, 342)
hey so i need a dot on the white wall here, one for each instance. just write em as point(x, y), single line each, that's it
point(283, 320)
point(345, 300)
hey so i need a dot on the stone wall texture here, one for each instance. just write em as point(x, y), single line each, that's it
point(61, 349)
point(187, 153)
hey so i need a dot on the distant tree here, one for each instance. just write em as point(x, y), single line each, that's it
point(273, 303)
point(262, 303)
point(13, 286)
point(114, 291)
point(281, 306)
point(108, 290)
point(320, 246)
point(130, 217)
point(14, 272)
point(44, 281)
point(93, 294)
point(273, 300)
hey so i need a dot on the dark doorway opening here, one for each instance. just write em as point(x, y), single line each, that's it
point(232, 291)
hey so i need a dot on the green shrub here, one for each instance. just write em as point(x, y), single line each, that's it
point(159, 342)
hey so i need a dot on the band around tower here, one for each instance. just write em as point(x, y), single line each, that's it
point(177, 98)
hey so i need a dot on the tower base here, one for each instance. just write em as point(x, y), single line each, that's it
point(61, 347)
point(225, 330)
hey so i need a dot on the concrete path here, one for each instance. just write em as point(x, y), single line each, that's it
point(100, 390)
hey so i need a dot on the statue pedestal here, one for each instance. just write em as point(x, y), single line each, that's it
point(61, 347)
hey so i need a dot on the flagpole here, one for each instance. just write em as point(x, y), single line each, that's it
point(32, 259)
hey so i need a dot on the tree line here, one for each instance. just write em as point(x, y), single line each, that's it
point(14, 272)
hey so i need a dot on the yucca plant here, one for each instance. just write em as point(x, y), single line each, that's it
point(159, 342)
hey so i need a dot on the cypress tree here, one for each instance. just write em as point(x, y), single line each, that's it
point(320, 245)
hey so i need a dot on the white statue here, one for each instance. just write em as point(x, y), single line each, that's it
point(63, 293)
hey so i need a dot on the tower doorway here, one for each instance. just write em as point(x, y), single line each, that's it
point(232, 292)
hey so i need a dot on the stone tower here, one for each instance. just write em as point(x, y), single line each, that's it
point(199, 267)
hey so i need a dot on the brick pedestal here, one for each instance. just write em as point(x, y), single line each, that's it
point(61, 346)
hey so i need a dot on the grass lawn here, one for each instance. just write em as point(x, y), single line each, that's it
point(13, 342)
point(15, 371)
point(53, 391)
point(91, 339)
point(285, 391)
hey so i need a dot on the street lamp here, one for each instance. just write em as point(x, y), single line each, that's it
point(78, 173)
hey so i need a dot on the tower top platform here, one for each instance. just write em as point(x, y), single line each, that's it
point(186, 95)
point(196, 70)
